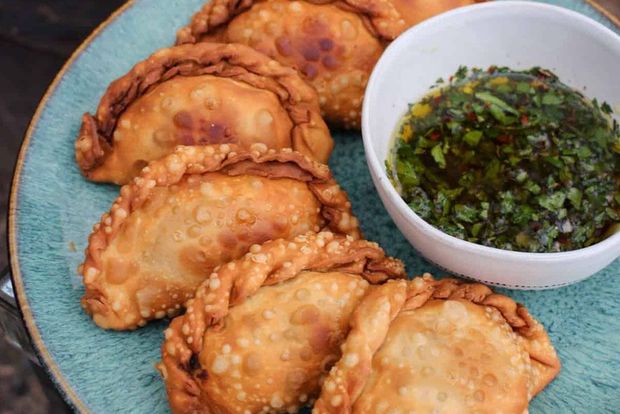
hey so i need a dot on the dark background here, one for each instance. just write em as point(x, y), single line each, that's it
point(36, 38)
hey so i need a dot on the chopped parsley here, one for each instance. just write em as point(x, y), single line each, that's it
point(511, 159)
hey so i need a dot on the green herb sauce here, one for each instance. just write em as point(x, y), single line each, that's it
point(511, 159)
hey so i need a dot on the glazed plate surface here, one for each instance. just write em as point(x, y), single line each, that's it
point(53, 209)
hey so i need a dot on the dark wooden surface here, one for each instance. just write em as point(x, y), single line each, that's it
point(36, 37)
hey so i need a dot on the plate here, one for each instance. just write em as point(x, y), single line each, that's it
point(53, 208)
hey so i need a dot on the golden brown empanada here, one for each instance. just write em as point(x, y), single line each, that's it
point(334, 44)
point(193, 210)
point(414, 11)
point(457, 348)
point(264, 330)
point(196, 95)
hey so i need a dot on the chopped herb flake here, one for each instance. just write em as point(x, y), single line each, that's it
point(437, 154)
point(514, 160)
point(472, 137)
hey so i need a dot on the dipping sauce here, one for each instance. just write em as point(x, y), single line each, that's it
point(510, 159)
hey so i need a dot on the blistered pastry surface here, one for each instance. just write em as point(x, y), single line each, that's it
point(199, 94)
point(193, 210)
point(263, 330)
point(433, 346)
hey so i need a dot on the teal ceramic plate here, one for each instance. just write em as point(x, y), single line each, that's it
point(53, 209)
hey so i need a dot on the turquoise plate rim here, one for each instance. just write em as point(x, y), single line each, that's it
point(43, 354)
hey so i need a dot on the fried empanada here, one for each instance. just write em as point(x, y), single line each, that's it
point(193, 210)
point(458, 348)
point(264, 330)
point(196, 95)
point(414, 11)
point(334, 44)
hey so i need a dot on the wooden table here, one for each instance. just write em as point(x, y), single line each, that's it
point(36, 37)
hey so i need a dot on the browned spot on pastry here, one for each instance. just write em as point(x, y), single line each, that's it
point(139, 165)
point(227, 239)
point(326, 44)
point(311, 53)
point(284, 46)
point(183, 119)
point(310, 70)
point(305, 315)
point(321, 338)
point(329, 61)
point(185, 138)
point(200, 94)
point(216, 134)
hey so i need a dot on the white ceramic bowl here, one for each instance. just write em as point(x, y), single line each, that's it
point(583, 53)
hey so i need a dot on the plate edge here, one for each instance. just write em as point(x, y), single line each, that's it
point(606, 13)
point(43, 354)
point(48, 362)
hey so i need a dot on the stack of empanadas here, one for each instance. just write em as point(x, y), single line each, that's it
point(247, 72)
point(265, 335)
point(334, 44)
point(194, 210)
point(230, 222)
point(261, 338)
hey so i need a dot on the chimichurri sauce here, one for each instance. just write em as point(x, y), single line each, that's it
point(511, 159)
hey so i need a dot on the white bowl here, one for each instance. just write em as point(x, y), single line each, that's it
point(583, 53)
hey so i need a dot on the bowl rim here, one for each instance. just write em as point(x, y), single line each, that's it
point(382, 181)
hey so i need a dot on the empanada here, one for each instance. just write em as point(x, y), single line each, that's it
point(334, 44)
point(414, 11)
point(196, 95)
point(459, 348)
point(193, 210)
point(264, 330)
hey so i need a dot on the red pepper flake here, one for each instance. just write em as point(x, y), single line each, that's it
point(564, 239)
point(471, 116)
point(435, 135)
point(524, 119)
point(504, 139)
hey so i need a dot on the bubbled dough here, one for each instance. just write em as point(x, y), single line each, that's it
point(172, 243)
point(449, 356)
point(194, 110)
point(331, 47)
point(278, 343)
